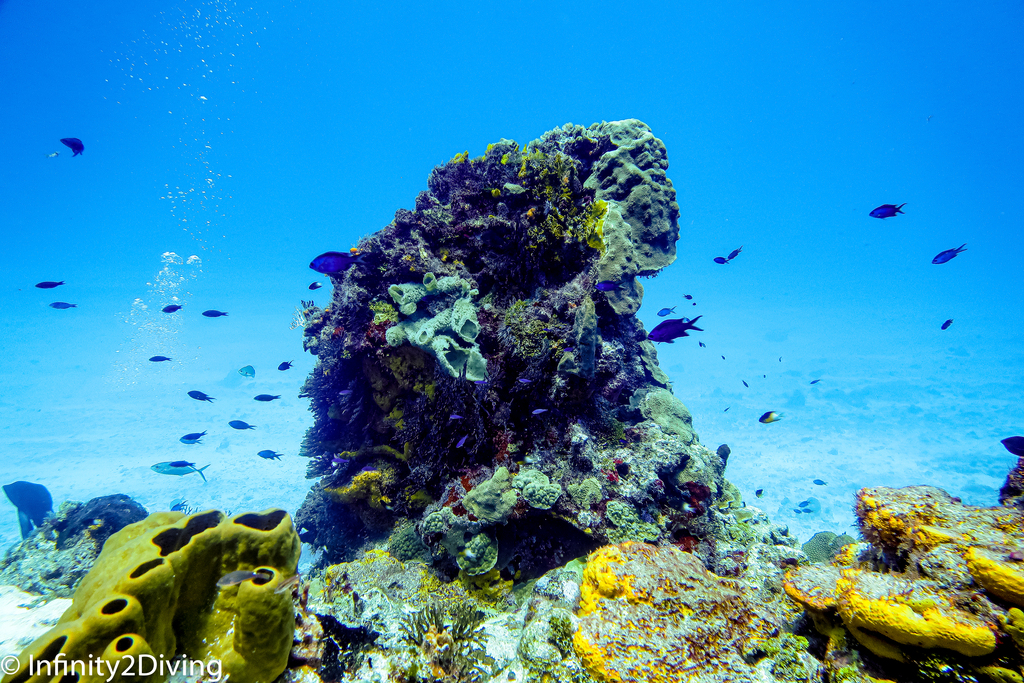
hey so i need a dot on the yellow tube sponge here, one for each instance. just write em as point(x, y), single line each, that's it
point(909, 613)
point(153, 591)
point(997, 574)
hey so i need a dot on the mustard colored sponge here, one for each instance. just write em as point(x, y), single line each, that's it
point(997, 573)
point(153, 590)
point(909, 613)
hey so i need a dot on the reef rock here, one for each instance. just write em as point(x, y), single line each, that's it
point(934, 596)
point(476, 388)
point(54, 559)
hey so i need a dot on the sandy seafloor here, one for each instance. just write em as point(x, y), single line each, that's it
point(84, 413)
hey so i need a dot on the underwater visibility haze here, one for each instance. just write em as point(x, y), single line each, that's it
point(476, 342)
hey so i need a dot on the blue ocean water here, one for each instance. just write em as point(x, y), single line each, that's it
point(227, 144)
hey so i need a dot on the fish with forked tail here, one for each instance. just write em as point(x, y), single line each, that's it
point(671, 330)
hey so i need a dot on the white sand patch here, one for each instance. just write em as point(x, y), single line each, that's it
point(20, 623)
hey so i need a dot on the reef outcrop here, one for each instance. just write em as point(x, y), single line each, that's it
point(54, 559)
point(934, 595)
point(481, 372)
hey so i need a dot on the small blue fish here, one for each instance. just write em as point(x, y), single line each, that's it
point(819, 482)
point(803, 503)
point(759, 493)
point(539, 411)
point(49, 284)
point(726, 409)
point(462, 441)
point(721, 260)
point(265, 397)
point(887, 210)
point(238, 424)
point(171, 309)
point(946, 324)
point(734, 253)
point(158, 359)
point(687, 296)
point(949, 254)
point(745, 383)
point(671, 330)
point(286, 365)
point(702, 345)
point(665, 311)
point(178, 468)
point(247, 371)
point(606, 286)
point(480, 381)
point(345, 392)
point(60, 305)
point(454, 416)
point(523, 380)
point(213, 313)
point(75, 144)
point(200, 396)
point(769, 417)
point(269, 455)
point(315, 285)
point(815, 381)
point(179, 505)
point(193, 438)
point(332, 262)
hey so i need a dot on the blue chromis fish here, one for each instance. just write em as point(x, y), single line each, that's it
point(33, 501)
point(49, 284)
point(159, 359)
point(671, 330)
point(462, 441)
point(770, 416)
point(200, 396)
point(665, 311)
point(332, 262)
point(887, 210)
point(946, 324)
point(171, 309)
point(734, 253)
point(702, 345)
point(238, 424)
point(269, 455)
point(214, 313)
point(265, 397)
point(285, 365)
point(1015, 445)
point(60, 305)
point(819, 482)
point(247, 371)
point(949, 254)
point(721, 260)
point(192, 438)
point(178, 468)
point(75, 144)
point(815, 381)
point(315, 285)
point(745, 383)
point(606, 286)
point(539, 411)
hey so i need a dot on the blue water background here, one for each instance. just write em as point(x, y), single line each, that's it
point(785, 125)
